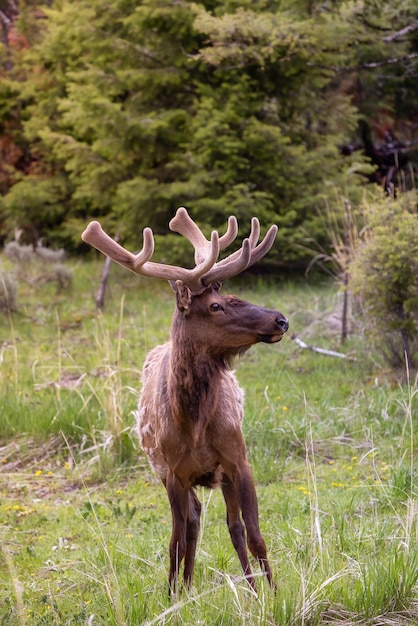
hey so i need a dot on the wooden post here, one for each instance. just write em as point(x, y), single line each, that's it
point(347, 233)
point(103, 282)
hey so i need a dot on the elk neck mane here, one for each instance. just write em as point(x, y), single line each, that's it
point(195, 373)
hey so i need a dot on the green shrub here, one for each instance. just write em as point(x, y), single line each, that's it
point(385, 277)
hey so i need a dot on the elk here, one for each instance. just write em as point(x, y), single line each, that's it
point(191, 406)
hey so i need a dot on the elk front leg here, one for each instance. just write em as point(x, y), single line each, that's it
point(240, 497)
point(247, 496)
point(192, 532)
point(236, 527)
point(179, 502)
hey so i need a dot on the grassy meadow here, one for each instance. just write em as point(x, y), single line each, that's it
point(85, 525)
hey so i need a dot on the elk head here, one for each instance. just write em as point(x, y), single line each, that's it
point(225, 323)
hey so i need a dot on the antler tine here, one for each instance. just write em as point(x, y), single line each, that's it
point(255, 232)
point(182, 223)
point(245, 257)
point(253, 239)
point(231, 233)
point(96, 236)
point(264, 246)
point(231, 266)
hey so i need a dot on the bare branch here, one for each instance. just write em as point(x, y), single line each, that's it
point(365, 66)
point(302, 344)
point(400, 33)
point(5, 19)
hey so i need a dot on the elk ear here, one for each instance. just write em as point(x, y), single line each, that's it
point(183, 297)
point(216, 286)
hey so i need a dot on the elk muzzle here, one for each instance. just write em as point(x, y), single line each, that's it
point(281, 326)
point(282, 323)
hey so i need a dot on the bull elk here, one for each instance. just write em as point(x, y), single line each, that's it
point(191, 406)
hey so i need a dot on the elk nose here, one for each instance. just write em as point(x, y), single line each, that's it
point(282, 323)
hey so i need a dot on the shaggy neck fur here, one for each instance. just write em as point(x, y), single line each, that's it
point(195, 377)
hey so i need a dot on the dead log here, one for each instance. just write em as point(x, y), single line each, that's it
point(304, 345)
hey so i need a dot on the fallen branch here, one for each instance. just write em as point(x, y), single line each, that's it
point(302, 344)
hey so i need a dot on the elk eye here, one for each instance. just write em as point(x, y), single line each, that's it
point(215, 306)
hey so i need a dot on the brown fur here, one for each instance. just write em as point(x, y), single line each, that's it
point(191, 406)
point(190, 415)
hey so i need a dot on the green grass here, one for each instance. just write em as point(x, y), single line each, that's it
point(85, 525)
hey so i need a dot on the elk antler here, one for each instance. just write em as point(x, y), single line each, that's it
point(182, 223)
point(207, 270)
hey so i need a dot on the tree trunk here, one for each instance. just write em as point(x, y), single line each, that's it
point(400, 312)
point(102, 287)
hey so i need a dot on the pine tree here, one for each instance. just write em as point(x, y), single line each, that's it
point(126, 111)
